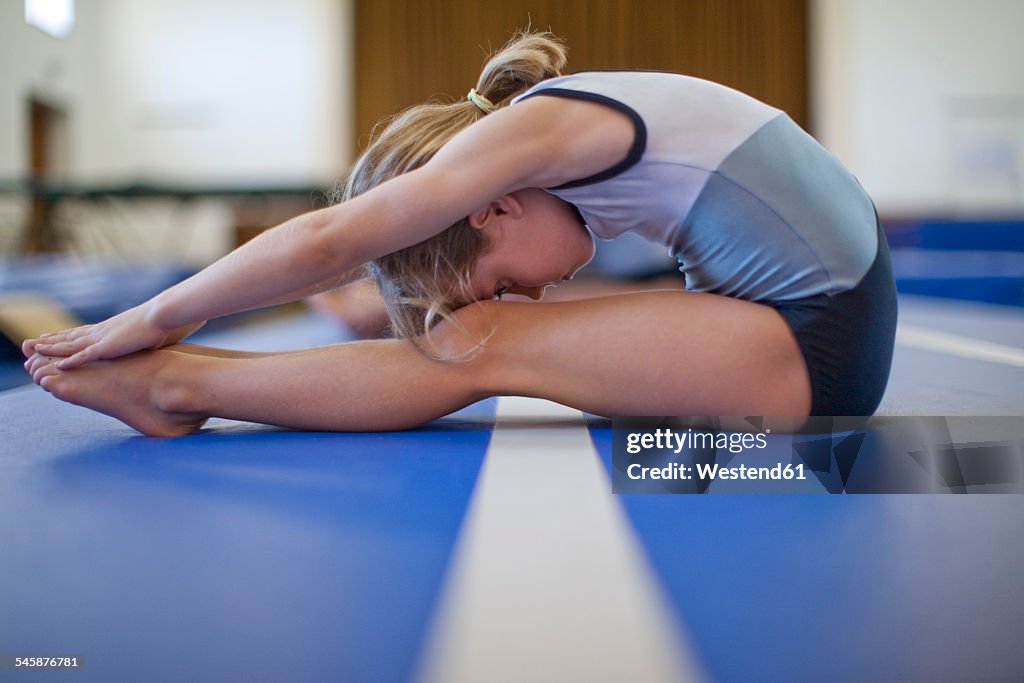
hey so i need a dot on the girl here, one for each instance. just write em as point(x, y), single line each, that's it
point(790, 310)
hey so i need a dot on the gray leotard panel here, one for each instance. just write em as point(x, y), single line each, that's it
point(750, 205)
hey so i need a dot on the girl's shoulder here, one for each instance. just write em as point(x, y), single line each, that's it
point(572, 136)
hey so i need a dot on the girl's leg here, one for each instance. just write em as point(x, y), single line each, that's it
point(651, 353)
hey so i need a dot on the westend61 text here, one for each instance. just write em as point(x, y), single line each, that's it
point(668, 439)
point(706, 472)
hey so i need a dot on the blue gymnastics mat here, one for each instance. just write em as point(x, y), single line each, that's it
point(244, 553)
point(256, 553)
point(995, 277)
point(252, 553)
point(980, 260)
point(91, 288)
point(839, 588)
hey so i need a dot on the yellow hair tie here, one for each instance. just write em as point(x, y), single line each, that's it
point(481, 102)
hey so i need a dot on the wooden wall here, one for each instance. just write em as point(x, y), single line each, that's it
point(408, 51)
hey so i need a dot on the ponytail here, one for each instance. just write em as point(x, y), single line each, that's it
point(526, 60)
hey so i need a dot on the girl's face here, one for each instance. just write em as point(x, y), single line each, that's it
point(539, 241)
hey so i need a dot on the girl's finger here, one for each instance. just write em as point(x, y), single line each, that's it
point(87, 355)
point(64, 348)
point(64, 335)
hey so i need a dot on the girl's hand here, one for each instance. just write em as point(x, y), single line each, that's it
point(125, 333)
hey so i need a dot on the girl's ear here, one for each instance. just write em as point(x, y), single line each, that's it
point(505, 205)
point(482, 218)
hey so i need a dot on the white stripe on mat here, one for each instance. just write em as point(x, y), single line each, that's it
point(957, 345)
point(548, 581)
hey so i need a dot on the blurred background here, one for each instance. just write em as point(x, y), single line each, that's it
point(142, 139)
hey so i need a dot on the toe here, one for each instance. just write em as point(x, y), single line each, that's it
point(43, 369)
point(47, 382)
point(39, 361)
point(34, 363)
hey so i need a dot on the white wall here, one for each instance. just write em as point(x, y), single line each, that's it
point(225, 91)
point(924, 100)
point(194, 92)
point(197, 91)
point(34, 64)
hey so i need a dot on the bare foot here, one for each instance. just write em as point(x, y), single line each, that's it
point(143, 390)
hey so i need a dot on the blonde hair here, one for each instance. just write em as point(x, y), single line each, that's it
point(424, 283)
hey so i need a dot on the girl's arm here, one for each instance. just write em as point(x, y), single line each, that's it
point(541, 142)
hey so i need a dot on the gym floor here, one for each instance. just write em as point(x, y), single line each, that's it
point(488, 546)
